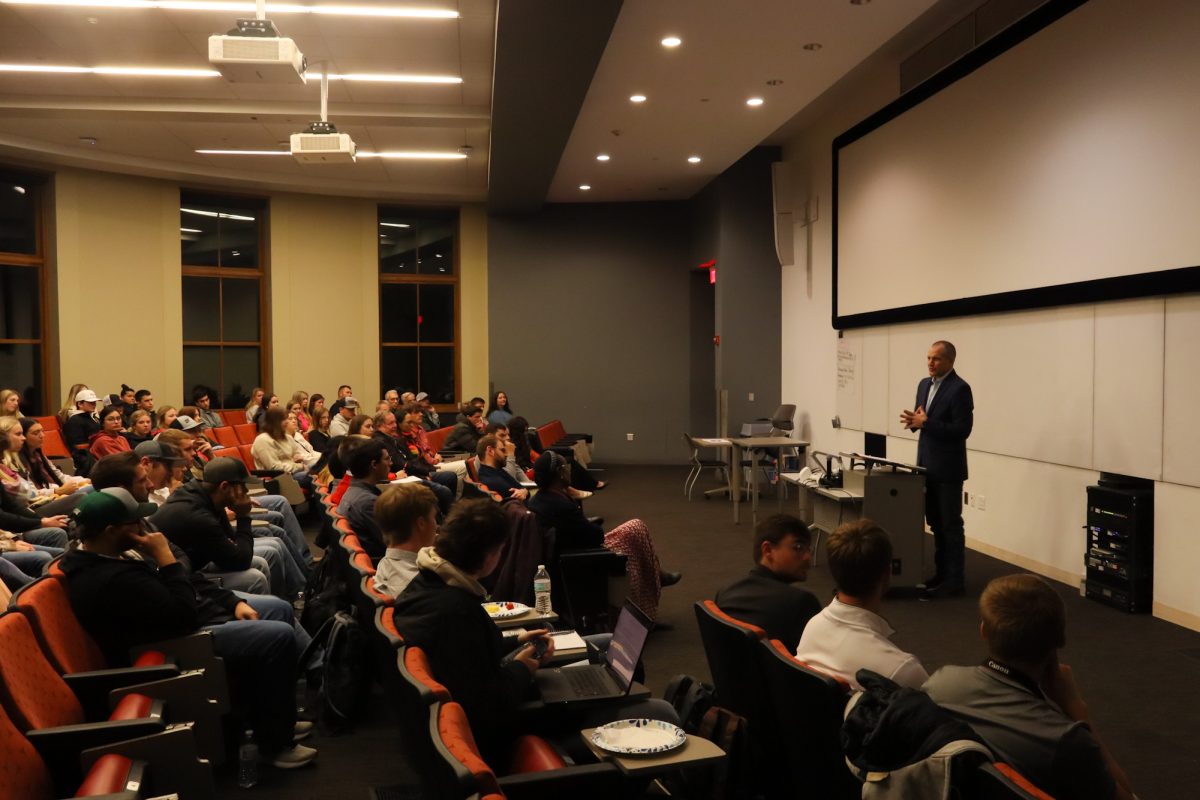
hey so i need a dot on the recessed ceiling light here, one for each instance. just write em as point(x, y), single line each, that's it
point(157, 72)
point(813, 46)
point(637, 98)
point(602, 157)
point(243, 7)
point(190, 230)
point(754, 101)
point(19, 189)
point(672, 41)
point(583, 187)
point(693, 159)
point(218, 214)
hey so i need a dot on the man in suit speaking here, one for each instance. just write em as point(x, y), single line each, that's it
point(944, 416)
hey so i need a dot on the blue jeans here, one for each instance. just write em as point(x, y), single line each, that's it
point(273, 608)
point(282, 516)
point(261, 657)
point(287, 577)
point(48, 537)
point(12, 575)
point(248, 581)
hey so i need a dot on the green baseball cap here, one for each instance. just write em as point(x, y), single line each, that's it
point(114, 506)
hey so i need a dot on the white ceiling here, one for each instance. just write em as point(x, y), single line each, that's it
point(696, 105)
point(152, 125)
point(697, 92)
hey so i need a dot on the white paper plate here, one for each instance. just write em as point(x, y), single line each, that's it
point(502, 610)
point(638, 736)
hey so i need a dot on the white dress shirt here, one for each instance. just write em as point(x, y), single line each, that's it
point(843, 639)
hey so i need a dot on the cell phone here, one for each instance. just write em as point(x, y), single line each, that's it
point(540, 646)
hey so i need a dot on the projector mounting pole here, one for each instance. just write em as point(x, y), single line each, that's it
point(260, 9)
point(324, 91)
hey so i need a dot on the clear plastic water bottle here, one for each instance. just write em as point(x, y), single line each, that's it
point(541, 590)
point(298, 604)
point(248, 762)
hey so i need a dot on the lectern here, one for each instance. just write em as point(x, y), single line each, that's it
point(894, 496)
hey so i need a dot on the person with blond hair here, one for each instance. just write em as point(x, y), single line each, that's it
point(1023, 703)
point(10, 403)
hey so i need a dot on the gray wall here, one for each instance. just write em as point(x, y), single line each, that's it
point(589, 322)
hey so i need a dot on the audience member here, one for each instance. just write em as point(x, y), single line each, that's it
point(16, 480)
point(339, 424)
point(252, 407)
point(392, 398)
point(498, 409)
point(39, 469)
point(141, 428)
point(10, 403)
point(387, 431)
point(368, 461)
point(478, 402)
point(407, 397)
point(361, 425)
point(556, 509)
point(849, 634)
point(430, 420)
point(144, 399)
point(767, 597)
point(69, 405)
point(344, 391)
point(303, 421)
point(467, 430)
point(313, 460)
point(493, 453)
point(421, 462)
point(318, 434)
point(123, 602)
point(1023, 703)
point(407, 515)
point(316, 403)
point(164, 417)
point(109, 438)
point(202, 398)
point(78, 430)
point(128, 401)
point(275, 449)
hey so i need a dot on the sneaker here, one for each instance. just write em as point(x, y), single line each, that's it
point(582, 495)
point(302, 731)
point(295, 756)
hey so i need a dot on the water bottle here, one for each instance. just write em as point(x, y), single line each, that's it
point(248, 762)
point(298, 604)
point(541, 590)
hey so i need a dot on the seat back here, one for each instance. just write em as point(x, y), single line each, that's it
point(245, 432)
point(1001, 782)
point(49, 423)
point(807, 706)
point(53, 444)
point(437, 438)
point(32, 693)
point(66, 645)
point(225, 436)
point(473, 468)
point(247, 457)
point(731, 648)
point(582, 587)
point(385, 624)
point(782, 419)
point(24, 774)
point(458, 755)
point(233, 416)
point(550, 433)
point(414, 668)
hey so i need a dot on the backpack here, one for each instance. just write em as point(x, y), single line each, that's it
point(730, 778)
point(342, 683)
point(691, 698)
point(325, 595)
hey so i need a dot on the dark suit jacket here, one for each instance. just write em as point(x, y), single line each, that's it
point(942, 448)
point(764, 599)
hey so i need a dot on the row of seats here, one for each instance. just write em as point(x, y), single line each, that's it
point(794, 716)
point(71, 725)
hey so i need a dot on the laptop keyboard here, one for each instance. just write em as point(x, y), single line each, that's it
point(586, 682)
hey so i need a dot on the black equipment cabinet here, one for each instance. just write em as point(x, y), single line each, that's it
point(1120, 546)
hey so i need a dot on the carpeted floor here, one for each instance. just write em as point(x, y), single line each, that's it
point(1134, 671)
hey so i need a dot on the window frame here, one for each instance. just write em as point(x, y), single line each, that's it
point(418, 279)
point(261, 272)
point(39, 184)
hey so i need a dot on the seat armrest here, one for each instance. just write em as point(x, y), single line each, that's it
point(60, 747)
point(92, 688)
point(194, 651)
point(186, 702)
point(174, 766)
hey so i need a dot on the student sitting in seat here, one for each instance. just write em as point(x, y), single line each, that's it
point(767, 597)
point(1023, 703)
point(557, 509)
point(407, 514)
point(849, 634)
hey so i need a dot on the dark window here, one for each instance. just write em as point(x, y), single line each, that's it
point(223, 320)
point(22, 278)
point(418, 302)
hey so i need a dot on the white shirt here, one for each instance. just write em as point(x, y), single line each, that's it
point(338, 425)
point(396, 570)
point(843, 639)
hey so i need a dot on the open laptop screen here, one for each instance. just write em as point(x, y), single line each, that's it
point(629, 637)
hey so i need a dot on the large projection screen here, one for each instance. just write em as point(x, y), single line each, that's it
point(1058, 163)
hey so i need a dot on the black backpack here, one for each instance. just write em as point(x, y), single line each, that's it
point(342, 684)
point(325, 594)
point(691, 698)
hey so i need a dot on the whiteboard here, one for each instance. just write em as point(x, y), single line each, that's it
point(849, 381)
point(1181, 391)
point(1129, 388)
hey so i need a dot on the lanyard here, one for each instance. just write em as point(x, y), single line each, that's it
point(1013, 674)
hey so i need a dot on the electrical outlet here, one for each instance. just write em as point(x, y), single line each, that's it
point(752, 397)
point(980, 502)
point(629, 437)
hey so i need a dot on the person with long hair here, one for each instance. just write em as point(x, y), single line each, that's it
point(498, 410)
point(300, 398)
point(556, 509)
point(20, 494)
point(318, 434)
point(69, 407)
point(274, 448)
point(108, 439)
point(10, 403)
point(312, 459)
point(525, 455)
point(164, 417)
point(39, 470)
point(269, 402)
point(256, 398)
point(141, 427)
point(362, 425)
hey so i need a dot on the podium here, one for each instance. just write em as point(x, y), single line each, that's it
point(893, 495)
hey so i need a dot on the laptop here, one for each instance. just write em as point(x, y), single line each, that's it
point(614, 677)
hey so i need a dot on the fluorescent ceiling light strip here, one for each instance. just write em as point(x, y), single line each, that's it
point(241, 7)
point(398, 154)
point(157, 72)
point(389, 78)
point(190, 230)
point(393, 225)
point(218, 214)
point(242, 153)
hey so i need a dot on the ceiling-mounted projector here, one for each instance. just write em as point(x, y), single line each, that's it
point(254, 52)
point(322, 144)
